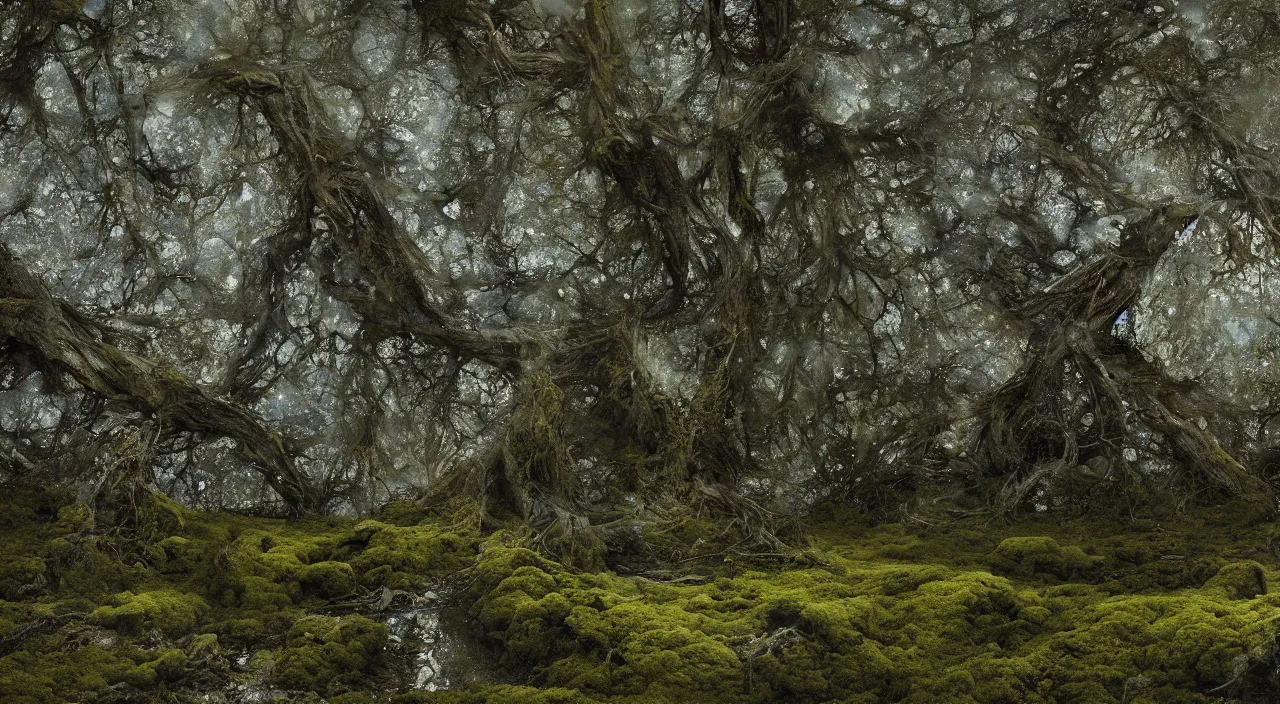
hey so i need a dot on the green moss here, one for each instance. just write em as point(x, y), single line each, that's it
point(263, 570)
point(73, 518)
point(179, 555)
point(93, 566)
point(866, 630)
point(403, 513)
point(409, 557)
point(33, 677)
point(172, 612)
point(258, 553)
point(327, 579)
point(18, 574)
point(1041, 557)
point(242, 631)
point(682, 534)
point(500, 694)
point(598, 633)
point(156, 516)
point(321, 649)
point(169, 666)
point(1028, 612)
point(1240, 580)
point(203, 646)
point(259, 594)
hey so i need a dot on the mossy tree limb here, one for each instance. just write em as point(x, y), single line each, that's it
point(30, 316)
point(335, 195)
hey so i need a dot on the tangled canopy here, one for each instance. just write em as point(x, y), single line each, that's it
point(585, 264)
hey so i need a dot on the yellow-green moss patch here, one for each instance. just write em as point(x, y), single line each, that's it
point(172, 612)
point(322, 649)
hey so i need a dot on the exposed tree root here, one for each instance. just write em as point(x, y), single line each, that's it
point(1082, 386)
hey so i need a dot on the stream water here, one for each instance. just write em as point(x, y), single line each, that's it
point(435, 648)
point(430, 647)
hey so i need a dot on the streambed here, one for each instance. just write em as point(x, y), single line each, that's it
point(433, 647)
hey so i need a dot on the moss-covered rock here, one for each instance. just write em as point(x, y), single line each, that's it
point(30, 676)
point(321, 649)
point(74, 518)
point(1042, 557)
point(203, 646)
point(597, 632)
point(328, 579)
point(1240, 580)
point(169, 666)
point(259, 553)
point(410, 557)
point(402, 513)
point(18, 574)
point(242, 631)
point(261, 569)
point(92, 566)
point(260, 594)
point(161, 516)
point(178, 554)
point(172, 612)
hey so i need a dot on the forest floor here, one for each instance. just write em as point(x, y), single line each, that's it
point(213, 607)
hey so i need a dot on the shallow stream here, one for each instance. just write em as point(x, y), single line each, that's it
point(430, 646)
point(435, 648)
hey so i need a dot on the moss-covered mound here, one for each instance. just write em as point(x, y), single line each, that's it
point(408, 557)
point(1168, 609)
point(321, 649)
point(173, 604)
point(857, 631)
point(1171, 609)
point(173, 612)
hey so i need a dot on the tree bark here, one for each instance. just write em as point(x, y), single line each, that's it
point(1026, 427)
